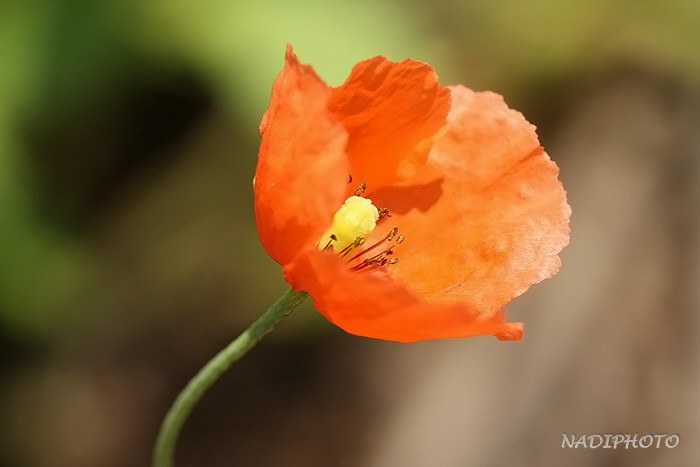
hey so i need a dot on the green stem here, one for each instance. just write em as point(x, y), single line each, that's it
point(164, 451)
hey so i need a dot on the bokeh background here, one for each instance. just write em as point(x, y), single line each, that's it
point(128, 251)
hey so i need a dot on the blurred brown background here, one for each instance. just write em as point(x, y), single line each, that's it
point(128, 251)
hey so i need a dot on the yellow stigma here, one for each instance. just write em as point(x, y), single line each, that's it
point(356, 218)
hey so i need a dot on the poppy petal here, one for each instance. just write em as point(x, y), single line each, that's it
point(494, 221)
point(373, 305)
point(301, 177)
point(392, 112)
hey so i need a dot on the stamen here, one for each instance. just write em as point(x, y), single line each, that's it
point(379, 258)
point(358, 241)
point(349, 179)
point(367, 249)
point(366, 267)
point(383, 212)
point(361, 189)
point(332, 238)
point(375, 261)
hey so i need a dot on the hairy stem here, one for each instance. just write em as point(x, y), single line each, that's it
point(164, 451)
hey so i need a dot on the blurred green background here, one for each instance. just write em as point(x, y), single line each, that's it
point(128, 251)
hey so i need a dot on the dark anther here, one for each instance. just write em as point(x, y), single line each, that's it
point(361, 189)
point(384, 212)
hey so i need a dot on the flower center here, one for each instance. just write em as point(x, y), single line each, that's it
point(352, 223)
point(356, 218)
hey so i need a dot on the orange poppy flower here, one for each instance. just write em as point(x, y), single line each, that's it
point(407, 210)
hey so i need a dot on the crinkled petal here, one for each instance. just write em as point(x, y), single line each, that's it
point(373, 305)
point(494, 221)
point(302, 169)
point(393, 112)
